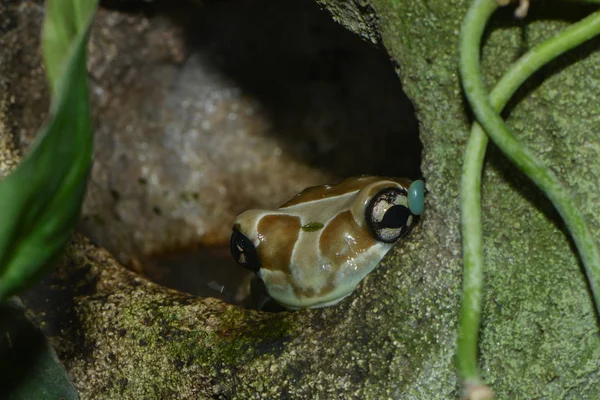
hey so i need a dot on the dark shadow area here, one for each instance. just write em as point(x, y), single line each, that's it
point(52, 298)
point(179, 270)
point(28, 366)
point(334, 99)
point(21, 346)
point(131, 6)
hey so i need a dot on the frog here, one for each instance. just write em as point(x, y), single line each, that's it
point(314, 249)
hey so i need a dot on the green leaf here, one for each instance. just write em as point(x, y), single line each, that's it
point(65, 27)
point(41, 199)
point(28, 365)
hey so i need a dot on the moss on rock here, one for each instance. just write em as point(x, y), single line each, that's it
point(123, 337)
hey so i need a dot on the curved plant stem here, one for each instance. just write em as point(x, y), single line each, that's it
point(473, 26)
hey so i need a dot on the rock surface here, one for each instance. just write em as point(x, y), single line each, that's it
point(123, 337)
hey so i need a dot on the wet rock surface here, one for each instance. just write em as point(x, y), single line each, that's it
point(121, 336)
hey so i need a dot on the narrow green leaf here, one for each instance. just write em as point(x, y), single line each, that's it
point(66, 23)
point(41, 199)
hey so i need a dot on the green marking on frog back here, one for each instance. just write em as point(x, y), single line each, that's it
point(312, 227)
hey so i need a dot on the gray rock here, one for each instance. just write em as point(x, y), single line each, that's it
point(121, 336)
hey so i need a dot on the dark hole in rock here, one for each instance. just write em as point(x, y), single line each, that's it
point(181, 270)
point(333, 107)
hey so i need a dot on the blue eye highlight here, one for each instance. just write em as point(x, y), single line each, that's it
point(416, 197)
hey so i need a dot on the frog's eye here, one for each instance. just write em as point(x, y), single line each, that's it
point(388, 216)
point(243, 251)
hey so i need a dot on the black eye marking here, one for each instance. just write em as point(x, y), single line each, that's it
point(395, 217)
point(243, 251)
point(388, 220)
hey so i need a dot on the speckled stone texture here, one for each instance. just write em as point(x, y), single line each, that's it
point(123, 337)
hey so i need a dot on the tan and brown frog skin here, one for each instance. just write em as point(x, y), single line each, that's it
point(315, 248)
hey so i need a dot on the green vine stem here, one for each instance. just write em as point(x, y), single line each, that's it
point(472, 30)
